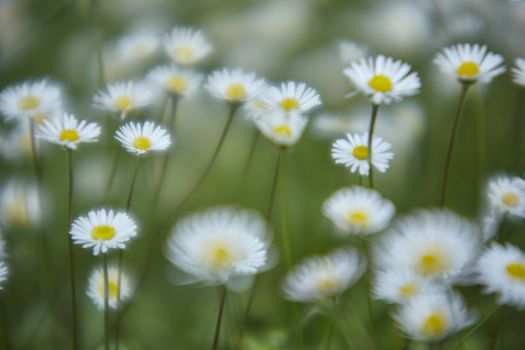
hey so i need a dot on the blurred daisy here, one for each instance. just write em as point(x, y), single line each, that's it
point(33, 99)
point(96, 289)
point(324, 276)
point(3, 273)
point(400, 285)
point(518, 72)
point(122, 98)
point(490, 224)
point(507, 196)
point(470, 63)
point(256, 107)
point(432, 243)
point(358, 210)
point(234, 86)
point(432, 317)
point(142, 138)
point(352, 152)
point(383, 79)
point(349, 52)
point(137, 47)
point(186, 45)
point(217, 245)
point(68, 132)
point(281, 128)
point(16, 142)
point(175, 81)
point(103, 230)
point(19, 204)
point(292, 96)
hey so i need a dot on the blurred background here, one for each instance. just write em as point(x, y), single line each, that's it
point(304, 40)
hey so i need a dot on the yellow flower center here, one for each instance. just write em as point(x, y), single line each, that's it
point(220, 257)
point(283, 130)
point(124, 103)
point(177, 84)
point(327, 284)
point(140, 49)
point(16, 213)
point(236, 92)
point(432, 263)
point(358, 218)
point(381, 83)
point(289, 103)
point(40, 118)
point(28, 102)
point(468, 69)
point(112, 289)
point(103, 232)
point(408, 290)
point(434, 326)
point(516, 270)
point(184, 54)
point(510, 199)
point(360, 152)
point(142, 143)
point(70, 135)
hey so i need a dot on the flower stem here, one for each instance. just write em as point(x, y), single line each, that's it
point(366, 252)
point(461, 104)
point(70, 247)
point(373, 117)
point(219, 318)
point(249, 161)
point(112, 173)
point(97, 42)
point(106, 301)
point(330, 331)
point(476, 327)
point(284, 208)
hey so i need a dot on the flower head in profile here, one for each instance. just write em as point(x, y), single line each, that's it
point(20, 204)
point(507, 196)
point(352, 152)
point(67, 131)
point(103, 230)
point(470, 63)
point(518, 72)
point(399, 285)
point(292, 97)
point(234, 86)
point(175, 81)
point(186, 46)
point(358, 210)
point(383, 79)
point(219, 245)
point(122, 98)
point(281, 128)
point(143, 138)
point(324, 276)
point(96, 288)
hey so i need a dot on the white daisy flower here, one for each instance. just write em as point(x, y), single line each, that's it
point(103, 230)
point(137, 47)
point(490, 223)
point(220, 244)
point(501, 269)
point(281, 128)
point(68, 131)
point(383, 79)
point(435, 244)
point(32, 99)
point(358, 210)
point(122, 98)
point(399, 285)
point(20, 204)
point(349, 52)
point(142, 138)
point(470, 63)
point(292, 96)
point(16, 142)
point(234, 85)
point(186, 45)
point(507, 196)
point(352, 152)
point(518, 72)
point(324, 276)
point(3, 273)
point(175, 81)
point(96, 289)
point(256, 107)
point(434, 316)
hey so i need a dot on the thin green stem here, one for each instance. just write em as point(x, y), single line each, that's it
point(249, 161)
point(111, 178)
point(366, 252)
point(106, 301)
point(476, 327)
point(330, 331)
point(284, 208)
point(70, 247)
point(219, 319)
point(461, 104)
point(373, 117)
point(132, 185)
point(97, 43)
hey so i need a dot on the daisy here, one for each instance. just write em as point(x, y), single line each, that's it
point(103, 230)
point(175, 81)
point(32, 99)
point(353, 153)
point(350, 51)
point(281, 128)
point(518, 73)
point(3, 273)
point(501, 269)
point(137, 47)
point(15, 143)
point(324, 276)
point(470, 63)
point(432, 317)
point(220, 244)
point(507, 196)
point(186, 45)
point(68, 132)
point(142, 138)
point(358, 210)
point(122, 98)
point(292, 96)
point(383, 79)
point(96, 292)
point(435, 244)
point(20, 204)
point(256, 107)
point(399, 285)
point(234, 86)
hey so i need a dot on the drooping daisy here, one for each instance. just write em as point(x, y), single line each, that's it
point(68, 131)
point(383, 79)
point(518, 72)
point(20, 204)
point(399, 285)
point(95, 288)
point(431, 317)
point(186, 45)
point(103, 230)
point(142, 138)
point(122, 98)
point(470, 63)
point(352, 152)
point(324, 276)
point(175, 81)
point(358, 210)
point(218, 245)
point(137, 47)
point(292, 97)
point(32, 99)
point(283, 129)
point(501, 269)
point(435, 244)
point(507, 196)
point(234, 85)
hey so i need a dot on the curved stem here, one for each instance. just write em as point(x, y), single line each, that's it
point(373, 117)
point(106, 301)
point(112, 174)
point(476, 327)
point(219, 319)
point(70, 247)
point(284, 208)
